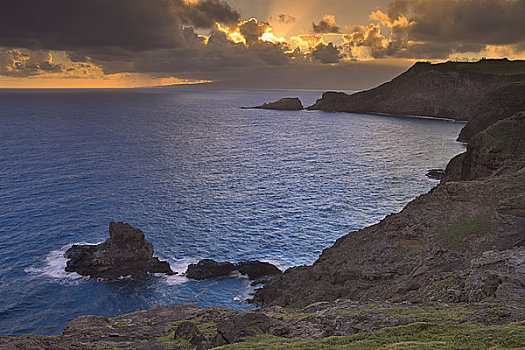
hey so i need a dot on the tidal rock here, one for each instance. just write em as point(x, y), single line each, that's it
point(209, 268)
point(125, 253)
point(257, 269)
point(436, 174)
point(284, 104)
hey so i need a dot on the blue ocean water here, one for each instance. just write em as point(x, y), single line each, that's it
point(201, 177)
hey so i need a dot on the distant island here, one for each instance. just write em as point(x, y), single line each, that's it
point(447, 271)
point(284, 104)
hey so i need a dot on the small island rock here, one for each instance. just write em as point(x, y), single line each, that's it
point(284, 104)
point(125, 253)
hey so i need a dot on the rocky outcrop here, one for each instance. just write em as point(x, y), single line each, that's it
point(495, 105)
point(284, 104)
point(473, 92)
point(208, 268)
point(461, 242)
point(125, 253)
point(189, 327)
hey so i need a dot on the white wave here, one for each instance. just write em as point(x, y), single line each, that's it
point(180, 266)
point(54, 265)
point(247, 291)
point(175, 280)
point(276, 263)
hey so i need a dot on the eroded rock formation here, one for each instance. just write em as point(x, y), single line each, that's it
point(125, 253)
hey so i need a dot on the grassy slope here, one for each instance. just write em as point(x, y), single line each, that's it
point(496, 67)
point(414, 336)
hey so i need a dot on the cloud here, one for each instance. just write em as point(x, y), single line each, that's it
point(202, 38)
point(326, 25)
point(96, 25)
point(24, 63)
point(286, 19)
point(253, 30)
point(327, 53)
point(438, 28)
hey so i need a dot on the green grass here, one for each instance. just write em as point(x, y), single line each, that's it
point(171, 343)
point(208, 328)
point(413, 336)
point(496, 67)
point(464, 227)
point(450, 313)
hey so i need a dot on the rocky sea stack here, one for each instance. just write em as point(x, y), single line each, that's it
point(284, 104)
point(125, 253)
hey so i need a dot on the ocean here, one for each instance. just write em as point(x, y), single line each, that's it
point(201, 177)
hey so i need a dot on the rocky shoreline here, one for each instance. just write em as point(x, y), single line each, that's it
point(448, 271)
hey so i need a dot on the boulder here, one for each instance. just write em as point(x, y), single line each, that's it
point(209, 268)
point(125, 253)
point(284, 104)
point(257, 269)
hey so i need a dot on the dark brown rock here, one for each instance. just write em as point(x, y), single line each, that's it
point(125, 253)
point(209, 268)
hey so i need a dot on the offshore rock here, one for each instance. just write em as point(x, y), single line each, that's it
point(125, 253)
point(284, 104)
point(209, 268)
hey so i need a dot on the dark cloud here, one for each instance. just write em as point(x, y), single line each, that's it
point(126, 25)
point(453, 22)
point(206, 13)
point(489, 22)
point(327, 53)
point(253, 29)
point(286, 19)
point(326, 25)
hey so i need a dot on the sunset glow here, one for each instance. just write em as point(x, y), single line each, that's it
point(181, 41)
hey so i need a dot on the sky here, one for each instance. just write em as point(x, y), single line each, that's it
point(307, 44)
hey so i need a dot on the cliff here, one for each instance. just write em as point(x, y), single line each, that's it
point(461, 242)
point(460, 91)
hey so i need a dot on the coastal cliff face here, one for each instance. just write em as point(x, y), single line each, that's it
point(461, 242)
point(452, 90)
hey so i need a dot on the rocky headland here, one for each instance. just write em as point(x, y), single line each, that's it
point(284, 104)
point(448, 271)
point(125, 253)
point(481, 93)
